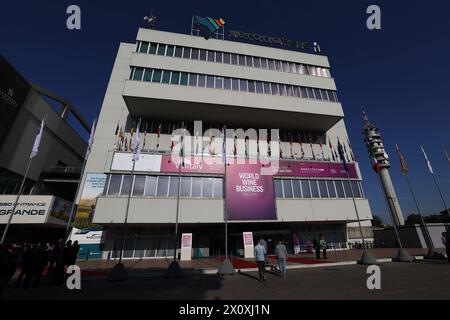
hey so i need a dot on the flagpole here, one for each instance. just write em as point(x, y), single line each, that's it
point(16, 202)
point(226, 267)
point(446, 155)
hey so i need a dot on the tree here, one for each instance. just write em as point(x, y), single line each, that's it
point(377, 222)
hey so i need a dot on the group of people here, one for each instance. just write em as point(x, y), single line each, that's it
point(33, 260)
point(261, 258)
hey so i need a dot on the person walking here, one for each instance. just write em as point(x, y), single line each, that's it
point(260, 255)
point(54, 255)
point(74, 252)
point(323, 246)
point(24, 263)
point(316, 246)
point(281, 253)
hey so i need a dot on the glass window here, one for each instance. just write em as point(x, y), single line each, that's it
point(267, 88)
point(282, 88)
point(348, 191)
point(196, 187)
point(157, 75)
point(241, 60)
point(331, 190)
point(305, 189)
point(251, 86)
point(293, 67)
point(285, 66)
point(210, 81)
point(278, 65)
point(144, 47)
point(314, 189)
point(317, 94)
point(234, 59)
point(173, 187)
point(355, 189)
point(203, 54)
point(126, 185)
point(257, 62)
point(150, 185)
point(148, 74)
point(178, 51)
point(303, 92)
point(259, 87)
point(331, 96)
point(287, 187)
point(219, 57)
point(138, 72)
point(185, 188)
point(161, 49)
point(166, 76)
point(105, 188)
point(114, 185)
point(323, 189)
point(193, 79)
point(290, 91)
point(296, 91)
point(175, 77)
point(264, 63)
point(163, 185)
point(335, 96)
point(184, 79)
point(211, 55)
point(235, 84)
point(194, 54)
point(170, 50)
point(139, 184)
point(274, 88)
point(243, 84)
point(218, 188)
point(271, 64)
point(187, 53)
point(312, 70)
point(324, 94)
point(278, 188)
point(339, 189)
point(201, 80)
point(297, 188)
point(226, 58)
point(207, 187)
point(227, 83)
point(219, 83)
point(249, 61)
point(310, 93)
point(153, 48)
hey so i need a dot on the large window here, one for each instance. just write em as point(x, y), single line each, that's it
point(311, 188)
point(217, 82)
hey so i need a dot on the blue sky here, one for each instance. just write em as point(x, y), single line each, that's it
point(400, 74)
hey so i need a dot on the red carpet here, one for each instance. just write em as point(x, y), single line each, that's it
point(240, 263)
point(308, 260)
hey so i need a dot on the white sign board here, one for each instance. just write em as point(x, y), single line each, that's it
point(248, 244)
point(30, 209)
point(146, 163)
point(186, 246)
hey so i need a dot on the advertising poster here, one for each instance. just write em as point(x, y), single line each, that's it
point(248, 239)
point(186, 241)
point(315, 169)
point(249, 195)
point(61, 209)
point(93, 187)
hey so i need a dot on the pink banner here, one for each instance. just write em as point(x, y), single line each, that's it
point(287, 168)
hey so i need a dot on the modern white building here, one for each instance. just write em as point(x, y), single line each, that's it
point(166, 81)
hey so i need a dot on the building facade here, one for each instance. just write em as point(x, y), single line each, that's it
point(165, 82)
point(54, 173)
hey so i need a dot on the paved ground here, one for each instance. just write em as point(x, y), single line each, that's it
point(418, 280)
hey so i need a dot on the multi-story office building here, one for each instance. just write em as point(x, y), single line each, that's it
point(54, 173)
point(166, 81)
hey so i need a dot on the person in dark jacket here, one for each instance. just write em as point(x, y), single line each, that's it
point(24, 263)
point(74, 252)
point(54, 255)
point(8, 265)
point(316, 246)
point(67, 253)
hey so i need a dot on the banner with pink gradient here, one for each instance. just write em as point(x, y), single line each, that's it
point(315, 169)
point(249, 195)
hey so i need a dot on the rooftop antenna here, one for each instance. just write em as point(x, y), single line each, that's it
point(151, 20)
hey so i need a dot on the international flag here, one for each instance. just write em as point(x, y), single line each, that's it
point(37, 141)
point(310, 144)
point(145, 135)
point(402, 161)
point(136, 145)
point(430, 168)
point(350, 149)
point(342, 156)
point(321, 147)
point(91, 139)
